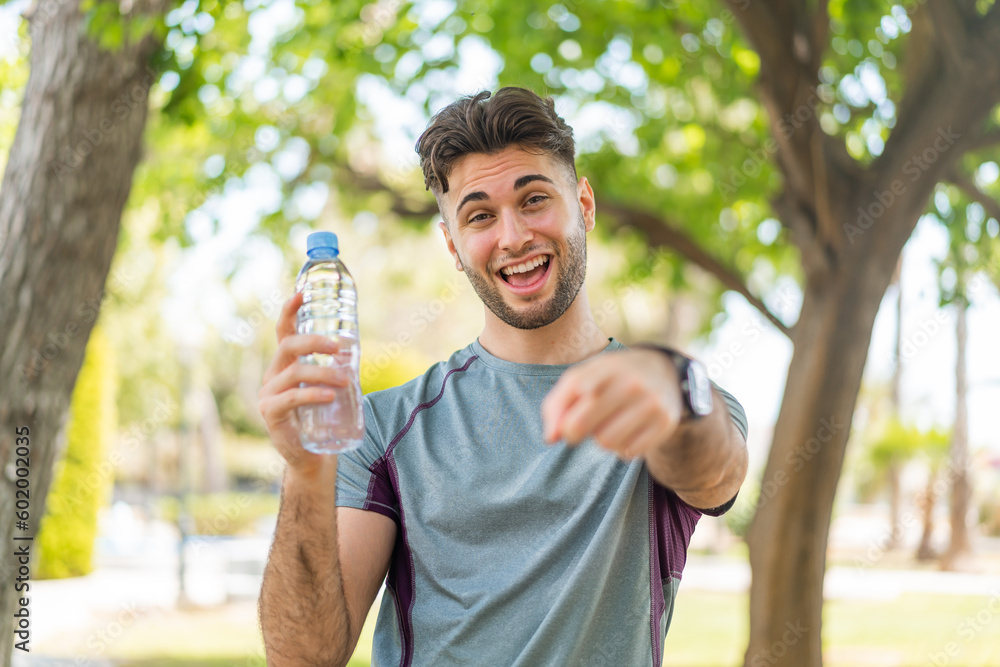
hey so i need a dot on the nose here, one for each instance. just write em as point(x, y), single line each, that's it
point(515, 234)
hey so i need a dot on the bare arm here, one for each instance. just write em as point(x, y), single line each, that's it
point(326, 563)
point(323, 572)
point(302, 606)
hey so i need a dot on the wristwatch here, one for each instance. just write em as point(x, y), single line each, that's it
point(696, 388)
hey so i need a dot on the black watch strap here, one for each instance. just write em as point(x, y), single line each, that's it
point(696, 388)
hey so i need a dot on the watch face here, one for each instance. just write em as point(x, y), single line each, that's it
point(699, 389)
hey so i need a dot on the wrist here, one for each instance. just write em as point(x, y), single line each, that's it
point(697, 397)
point(321, 474)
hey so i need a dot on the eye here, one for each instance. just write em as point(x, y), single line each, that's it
point(535, 199)
point(482, 217)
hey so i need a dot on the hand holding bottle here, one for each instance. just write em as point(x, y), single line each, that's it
point(281, 393)
point(330, 308)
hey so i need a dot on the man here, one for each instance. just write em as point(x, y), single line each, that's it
point(532, 498)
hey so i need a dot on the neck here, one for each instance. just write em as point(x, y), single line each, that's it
point(573, 337)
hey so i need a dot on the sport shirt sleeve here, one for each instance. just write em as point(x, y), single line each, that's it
point(739, 418)
point(364, 477)
point(736, 412)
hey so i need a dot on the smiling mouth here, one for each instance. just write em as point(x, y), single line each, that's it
point(525, 273)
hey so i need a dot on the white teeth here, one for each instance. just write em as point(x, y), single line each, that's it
point(527, 266)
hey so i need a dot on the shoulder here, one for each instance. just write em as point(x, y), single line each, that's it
point(396, 403)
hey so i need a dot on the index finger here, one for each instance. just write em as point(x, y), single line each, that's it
point(557, 401)
point(286, 320)
point(294, 346)
point(586, 378)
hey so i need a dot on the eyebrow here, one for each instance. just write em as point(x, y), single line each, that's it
point(518, 184)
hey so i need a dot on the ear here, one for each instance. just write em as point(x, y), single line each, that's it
point(588, 206)
point(451, 245)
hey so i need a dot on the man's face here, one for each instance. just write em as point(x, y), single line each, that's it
point(516, 225)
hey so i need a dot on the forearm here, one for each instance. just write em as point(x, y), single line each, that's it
point(705, 461)
point(303, 611)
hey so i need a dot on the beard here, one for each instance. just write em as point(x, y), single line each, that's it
point(572, 270)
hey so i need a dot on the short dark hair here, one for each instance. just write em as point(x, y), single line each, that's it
point(486, 123)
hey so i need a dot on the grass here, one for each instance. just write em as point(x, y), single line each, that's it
point(708, 630)
point(218, 643)
point(711, 629)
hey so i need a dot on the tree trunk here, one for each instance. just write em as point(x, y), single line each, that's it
point(897, 374)
point(67, 180)
point(252, 368)
point(960, 546)
point(788, 535)
point(897, 368)
point(213, 478)
point(926, 502)
point(895, 530)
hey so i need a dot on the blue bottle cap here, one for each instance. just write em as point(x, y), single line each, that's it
point(322, 240)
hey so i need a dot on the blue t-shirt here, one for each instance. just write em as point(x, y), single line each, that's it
point(510, 551)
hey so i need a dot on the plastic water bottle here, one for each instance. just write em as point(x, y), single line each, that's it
point(329, 308)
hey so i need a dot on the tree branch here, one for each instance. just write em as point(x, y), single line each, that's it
point(819, 258)
point(658, 232)
point(761, 24)
point(939, 115)
point(662, 234)
point(826, 222)
point(403, 206)
point(987, 139)
point(952, 31)
point(966, 185)
point(821, 31)
point(790, 40)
